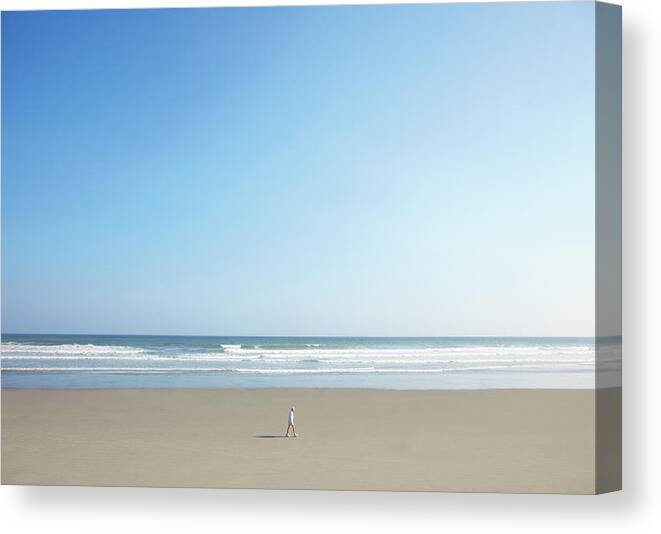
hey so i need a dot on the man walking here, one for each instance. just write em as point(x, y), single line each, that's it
point(290, 424)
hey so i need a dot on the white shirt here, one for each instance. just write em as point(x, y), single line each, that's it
point(291, 417)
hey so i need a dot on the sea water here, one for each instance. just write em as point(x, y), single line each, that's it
point(112, 361)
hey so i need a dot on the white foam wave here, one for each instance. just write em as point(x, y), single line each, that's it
point(68, 349)
point(328, 360)
point(228, 353)
point(494, 351)
point(150, 370)
point(308, 358)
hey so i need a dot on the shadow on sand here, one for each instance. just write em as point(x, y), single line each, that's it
point(270, 437)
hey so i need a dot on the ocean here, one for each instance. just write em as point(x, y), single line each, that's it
point(114, 361)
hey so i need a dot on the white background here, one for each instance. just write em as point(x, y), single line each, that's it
point(636, 509)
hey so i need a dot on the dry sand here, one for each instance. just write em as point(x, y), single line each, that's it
point(498, 440)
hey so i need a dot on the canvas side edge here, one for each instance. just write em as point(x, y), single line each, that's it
point(608, 247)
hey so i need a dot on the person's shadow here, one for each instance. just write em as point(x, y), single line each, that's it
point(270, 437)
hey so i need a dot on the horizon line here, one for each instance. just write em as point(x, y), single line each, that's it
point(300, 336)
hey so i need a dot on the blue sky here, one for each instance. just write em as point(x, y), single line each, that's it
point(398, 170)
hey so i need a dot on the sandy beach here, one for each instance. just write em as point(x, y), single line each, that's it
point(496, 440)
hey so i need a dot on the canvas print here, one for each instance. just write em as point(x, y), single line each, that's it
point(340, 247)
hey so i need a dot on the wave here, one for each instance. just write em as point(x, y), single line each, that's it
point(143, 370)
point(161, 370)
point(304, 359)
point(485, 351)
point(228, 348)
point(313, 354)
point(214, 357)
point(69, 349)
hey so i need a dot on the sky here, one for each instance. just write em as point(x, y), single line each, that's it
point(411, 170)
